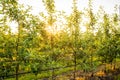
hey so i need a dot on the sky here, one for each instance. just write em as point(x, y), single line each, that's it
point(65, 5)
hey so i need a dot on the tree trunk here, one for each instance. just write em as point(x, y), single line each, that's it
point(17, 69)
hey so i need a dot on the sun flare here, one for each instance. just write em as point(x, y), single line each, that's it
point(53, 30)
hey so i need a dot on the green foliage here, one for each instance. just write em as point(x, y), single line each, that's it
point(33, 49)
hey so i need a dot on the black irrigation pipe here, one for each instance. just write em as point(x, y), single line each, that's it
point(64, 73)
point(20, 73)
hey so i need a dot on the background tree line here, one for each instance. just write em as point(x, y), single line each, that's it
point(33, 47)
